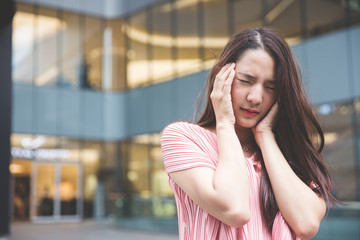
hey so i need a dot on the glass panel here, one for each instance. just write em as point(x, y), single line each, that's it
point(332, 16)
point(187, 41)
point(23, 44)
point(357, 135)
point(286, 17)
point(69, 189)
point(138, 169)
point(90, 154)
point(163, 201)
point(138, 179)
point(92, 64)
point(21, 172)
point(45, 190)
point(48, 27)
point(71, 147)
point(247, 19)
point(70, 55)
point(357, 107)
point(216, 31)
point(162, 42)
point(355, 11)
point(137, 54)
point(336, 120)
point(114, 55)
point(110, 175)
point(147, 194)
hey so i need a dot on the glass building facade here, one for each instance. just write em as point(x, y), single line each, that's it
point(92, 93)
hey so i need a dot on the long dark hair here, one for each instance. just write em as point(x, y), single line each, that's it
point(296, 128)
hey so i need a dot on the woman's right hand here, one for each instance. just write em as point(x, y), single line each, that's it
point(221, 95)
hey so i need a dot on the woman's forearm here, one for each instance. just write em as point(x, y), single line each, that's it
point(231, 178)
point(300, 206)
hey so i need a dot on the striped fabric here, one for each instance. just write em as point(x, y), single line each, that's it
point(186, 146)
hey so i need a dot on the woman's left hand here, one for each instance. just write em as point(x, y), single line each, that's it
point(265, 126)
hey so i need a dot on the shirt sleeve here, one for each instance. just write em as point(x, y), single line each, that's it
point(180, 148)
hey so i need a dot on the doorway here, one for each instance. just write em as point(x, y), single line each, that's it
point(56, 192)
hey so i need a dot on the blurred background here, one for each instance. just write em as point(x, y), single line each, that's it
point(94, 82)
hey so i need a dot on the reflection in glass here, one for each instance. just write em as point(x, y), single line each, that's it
point(69, 189)
point(21, 172)
point(187, 41)
point(138, 169)
point(90, 154)
point(70, 50)
point(48, 27)
point(332, 16)
point(357, 142)
point(137, 55)
point(216, 32)
point(72, 146)
point(162, 65)
point(354, 7)
point(247, 19)
point(45, 190)
point(113, 72)
point(147, 193)
point(286, 17)
point(339, 149)
point(91, 62)
point(22, 44)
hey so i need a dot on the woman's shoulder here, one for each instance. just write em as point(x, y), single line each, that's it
point(185, 128)
point(181, 126)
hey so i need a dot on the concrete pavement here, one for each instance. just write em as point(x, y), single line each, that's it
point(86, 230)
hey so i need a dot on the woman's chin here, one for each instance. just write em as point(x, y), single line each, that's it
point(246, 125)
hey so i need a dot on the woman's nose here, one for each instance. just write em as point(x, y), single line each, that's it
point(255, 94)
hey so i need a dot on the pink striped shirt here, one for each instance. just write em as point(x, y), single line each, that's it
point(186, 146)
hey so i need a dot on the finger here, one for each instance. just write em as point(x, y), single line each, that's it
point(226, 75)
point(218, 81)
point(222, 79)
point(223, 69)
point(273, 111)
point(227, 71)
point(229, 81)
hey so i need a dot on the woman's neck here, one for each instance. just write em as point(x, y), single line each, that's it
point(245, 135)
point(247, 140)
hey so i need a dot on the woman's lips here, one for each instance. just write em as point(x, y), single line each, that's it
point(249, 112)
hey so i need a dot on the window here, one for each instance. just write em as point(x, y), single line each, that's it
point(47, 29)
point(337, 122)
point(71, 54)
point(189, 59)
point(92, 59)
point(23, 43)
point(332, 16)
point(216, 32)
point(147, 194)
point(138, 68)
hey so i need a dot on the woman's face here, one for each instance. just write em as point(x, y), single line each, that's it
point(253, 90)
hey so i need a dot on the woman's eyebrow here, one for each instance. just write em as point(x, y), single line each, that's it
point(249, 76)
point(271, 81)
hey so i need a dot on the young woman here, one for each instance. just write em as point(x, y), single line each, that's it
point(251, 168)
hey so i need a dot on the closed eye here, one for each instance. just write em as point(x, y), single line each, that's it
point(244, 81)
point(272, 88)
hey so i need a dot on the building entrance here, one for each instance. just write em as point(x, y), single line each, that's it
point(56, 191)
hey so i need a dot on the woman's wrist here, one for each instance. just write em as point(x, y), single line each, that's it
point(220, 125)
point(263, 138)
